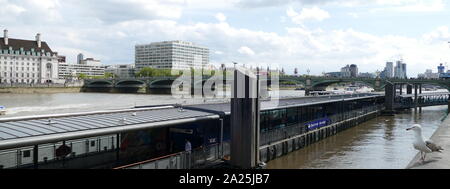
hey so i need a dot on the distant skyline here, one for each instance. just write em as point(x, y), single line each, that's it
point(320, 35)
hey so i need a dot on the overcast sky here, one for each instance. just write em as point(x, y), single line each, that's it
point(322, 35)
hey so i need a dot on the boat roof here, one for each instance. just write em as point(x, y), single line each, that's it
point(15, 132)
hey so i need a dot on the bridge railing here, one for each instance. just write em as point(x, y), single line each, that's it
point(428, 100)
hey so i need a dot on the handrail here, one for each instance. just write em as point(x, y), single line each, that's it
point(148, 161)
point(162, 157)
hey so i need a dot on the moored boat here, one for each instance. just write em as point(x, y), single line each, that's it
point(2, 110)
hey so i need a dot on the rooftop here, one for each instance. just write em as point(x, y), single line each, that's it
point(27, 45)
point(55, 128)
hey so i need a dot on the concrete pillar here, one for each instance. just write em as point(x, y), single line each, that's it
point(389, 98)
point(308, 86)
point(377, 84)
point(415, 97)
point(401, 89)
point(245, 108)
point(420, 92)
point(224, 83)
point(409, 89)
point(448, 104)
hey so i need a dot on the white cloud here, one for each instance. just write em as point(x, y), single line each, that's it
point(377, 5)
point(410, 6)
point(305, 14)
point(221, 17)
point(110, 31)
point(353, 14)
point(246, 51)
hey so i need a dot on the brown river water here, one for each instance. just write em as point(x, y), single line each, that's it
point(381, 143)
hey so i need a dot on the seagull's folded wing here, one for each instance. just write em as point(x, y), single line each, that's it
point(433, 146)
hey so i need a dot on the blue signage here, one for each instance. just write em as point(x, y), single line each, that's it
point(318, 123)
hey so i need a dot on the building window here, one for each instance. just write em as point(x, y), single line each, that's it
point(26, 153)
point(92, 143)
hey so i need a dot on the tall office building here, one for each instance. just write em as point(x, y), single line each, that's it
point(389, 70)
point(178, 55)
point(27, 61)
point(400, 70)
point(80, 58)
point(353, 70)
point(405, 76)
point(441, 68)
point(349, 71)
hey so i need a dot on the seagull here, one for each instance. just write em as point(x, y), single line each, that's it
point(423, 145)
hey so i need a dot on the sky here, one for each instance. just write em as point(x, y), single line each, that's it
point(316, 35)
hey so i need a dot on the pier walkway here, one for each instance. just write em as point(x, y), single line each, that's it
point(436, 160)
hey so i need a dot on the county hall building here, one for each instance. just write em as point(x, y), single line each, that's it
point(27, 61)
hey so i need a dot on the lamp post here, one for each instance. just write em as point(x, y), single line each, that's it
point(235, 64)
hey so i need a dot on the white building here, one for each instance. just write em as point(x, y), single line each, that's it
point(429, 75)
point(27, 61)
point(178, 55)
point(91, 62)
point(70, 71)
point(121, 70)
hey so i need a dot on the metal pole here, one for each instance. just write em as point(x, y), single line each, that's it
point(117, 147)
point(420, 92)
point(35, 156)
point(415, 98)
point(221, 138)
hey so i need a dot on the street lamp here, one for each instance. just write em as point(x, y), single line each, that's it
point(235, 64)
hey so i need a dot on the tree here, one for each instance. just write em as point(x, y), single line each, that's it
point(82, 76)
point(146, 72)
point(153, 72)
point(110, 75)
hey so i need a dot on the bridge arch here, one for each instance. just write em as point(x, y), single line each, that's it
point(130, 83)
point(100, 83)
point(161, 83)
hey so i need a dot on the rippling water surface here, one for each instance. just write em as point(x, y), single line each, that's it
point(381, 143)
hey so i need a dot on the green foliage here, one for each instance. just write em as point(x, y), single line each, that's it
point(288, 83)
point(82, 76)
point(109, 75)
point(153, 72)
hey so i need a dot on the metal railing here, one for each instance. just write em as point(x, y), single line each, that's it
point(39, 85)
point(410, 102)
point(275, 135)
point(198, 158)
